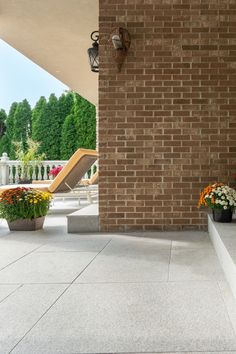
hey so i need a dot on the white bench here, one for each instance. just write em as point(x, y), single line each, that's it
point(223, 236)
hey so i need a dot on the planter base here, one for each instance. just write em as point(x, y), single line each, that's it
point(26, 224)
point(221, 215)
point(25, 181)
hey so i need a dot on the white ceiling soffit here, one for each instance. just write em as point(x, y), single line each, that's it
point(55, 34)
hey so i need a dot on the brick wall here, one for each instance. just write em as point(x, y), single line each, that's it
point(167, 122)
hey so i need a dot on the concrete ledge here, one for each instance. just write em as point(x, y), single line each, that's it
point(223, 237)
point(84, 220)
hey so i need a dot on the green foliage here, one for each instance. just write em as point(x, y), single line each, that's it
point(3, 118)
point(69, 141)
point(8, 147)
point(53, 133)
point(79, 128)
point(60, 125)
point(85, 113)
point(3, 144)
point(22, 118)
point(37, 114)
point(31, 154)
point(46, 127)
point(65, 105)
point(58, 111)
point(40, 124)
point(23, 203)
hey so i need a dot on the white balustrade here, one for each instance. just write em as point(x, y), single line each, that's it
point(11, 171)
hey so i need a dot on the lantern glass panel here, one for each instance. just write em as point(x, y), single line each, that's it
point(94, 57)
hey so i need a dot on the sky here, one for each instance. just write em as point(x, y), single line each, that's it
point(20, 78)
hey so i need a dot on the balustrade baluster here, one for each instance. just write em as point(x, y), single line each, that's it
point(17, 173)
point(45, 172)
point(14, 173)
point(34, 171)
point(51, 166)
point(28, 170)
point(42, 172)
point(11, 174)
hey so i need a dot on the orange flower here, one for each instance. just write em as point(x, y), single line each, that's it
point(207, 191)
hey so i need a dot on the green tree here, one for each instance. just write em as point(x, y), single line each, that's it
point(59, 111)
point(45, 126)
point(39, 123)
point(69, 141)
point(3, 144)
point(8, 148)
point(65, 105)
point(53, 133)
point(3, 118)
point(22, 123)
point(47, 121)
point(85, 113)
point(60, 126)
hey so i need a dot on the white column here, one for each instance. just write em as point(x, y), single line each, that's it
point(4, 169)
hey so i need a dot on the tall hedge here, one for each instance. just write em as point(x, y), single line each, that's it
point(60, 125)
point(39, 123)
point(69, 137)
point(8, 147)
point(3, 118)
point(21, 125)
point(85, 114)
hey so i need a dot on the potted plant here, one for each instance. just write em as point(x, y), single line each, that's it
point(221, 199)
point(29, 159)
point(24, 208)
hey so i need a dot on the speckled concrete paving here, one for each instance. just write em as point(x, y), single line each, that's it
point(132, 293)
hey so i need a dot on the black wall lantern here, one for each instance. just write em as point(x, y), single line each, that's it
point(93, 52)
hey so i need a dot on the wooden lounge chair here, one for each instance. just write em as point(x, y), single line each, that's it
point(65, 182)
point(93, 180)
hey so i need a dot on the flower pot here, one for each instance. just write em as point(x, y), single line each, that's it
point(26, 224)
point(25, 181)
point(222, 215)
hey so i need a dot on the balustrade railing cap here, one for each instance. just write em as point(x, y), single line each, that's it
point(4, 157)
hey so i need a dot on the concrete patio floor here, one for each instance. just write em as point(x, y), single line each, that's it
point(103, 293)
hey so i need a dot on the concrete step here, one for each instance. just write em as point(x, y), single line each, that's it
point(84, 220)
point(223, 236)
